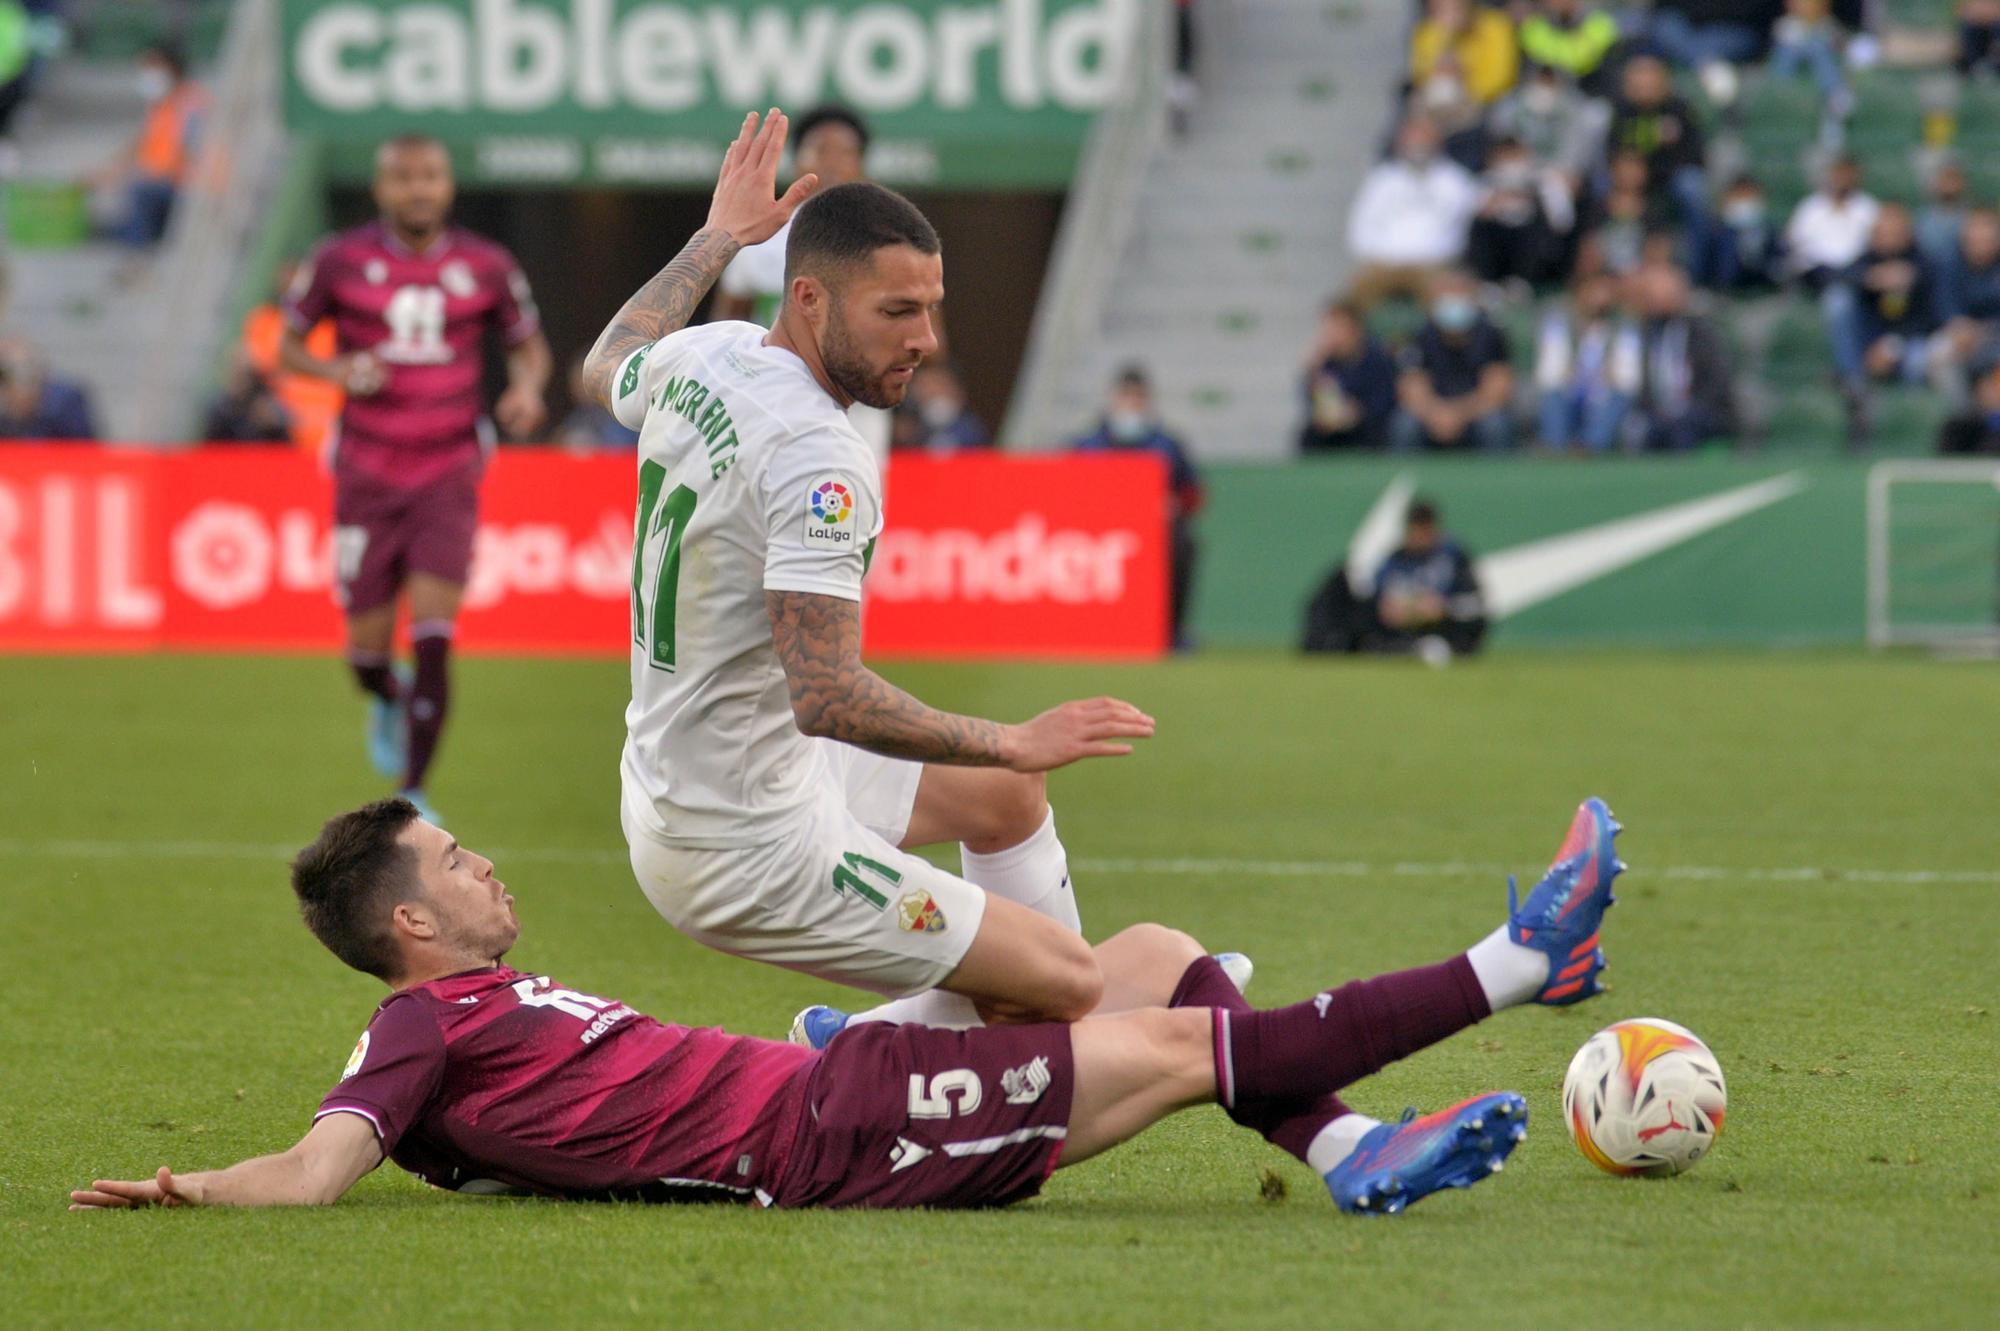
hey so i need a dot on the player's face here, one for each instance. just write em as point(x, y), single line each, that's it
point(878, 327)
point(833, 153)
point(413, 187)
point(475, 913)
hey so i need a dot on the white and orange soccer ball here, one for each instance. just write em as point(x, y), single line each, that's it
point(1644, 1097)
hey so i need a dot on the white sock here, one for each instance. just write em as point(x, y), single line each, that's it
point(1034, 872)
point(1337, 1140)
point(1509, 972)
point(934, 1007)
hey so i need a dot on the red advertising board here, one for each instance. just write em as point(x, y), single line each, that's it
point(110, 549)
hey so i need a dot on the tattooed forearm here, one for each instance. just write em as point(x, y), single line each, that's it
point(662, 306)
point(818, 638)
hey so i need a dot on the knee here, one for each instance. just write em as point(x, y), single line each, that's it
point(1014, 810)
point(1163, 948)
point(1075, 984)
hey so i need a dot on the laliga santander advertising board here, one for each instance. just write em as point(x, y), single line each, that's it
point(232, 549)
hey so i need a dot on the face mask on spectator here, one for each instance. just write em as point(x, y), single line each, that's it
point(154, 83)
point(1743, 212)
point(1129, 427)
point(1443, 91)
point(1542, 98)
point(1455, 314)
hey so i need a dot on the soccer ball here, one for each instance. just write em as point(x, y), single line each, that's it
point(1644, 1097)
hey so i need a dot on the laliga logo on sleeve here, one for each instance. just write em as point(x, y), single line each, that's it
point(829, 505)
point(354, 1059)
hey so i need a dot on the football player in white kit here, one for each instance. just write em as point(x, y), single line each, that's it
point(770, 779)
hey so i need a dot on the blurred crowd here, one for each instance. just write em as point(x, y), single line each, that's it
point(1557, 246)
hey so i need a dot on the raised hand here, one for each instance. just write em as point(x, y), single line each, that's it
point(1075, 730)
point(746, 205)
point(163, 1189)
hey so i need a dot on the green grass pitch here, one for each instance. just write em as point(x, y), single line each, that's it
point(1815, 890)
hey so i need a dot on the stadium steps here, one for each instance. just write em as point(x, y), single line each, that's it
point(1239, 233)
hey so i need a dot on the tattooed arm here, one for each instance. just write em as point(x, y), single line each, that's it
point(743, 212)
point(835, 696)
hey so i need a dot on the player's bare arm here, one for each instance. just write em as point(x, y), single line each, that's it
point(523, 404)
point(357, 372)
point(324, 1164)
point(836, 696)
point(746, 210)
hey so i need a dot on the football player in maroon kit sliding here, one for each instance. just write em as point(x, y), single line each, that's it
point(478, 1077)
point(412, 298)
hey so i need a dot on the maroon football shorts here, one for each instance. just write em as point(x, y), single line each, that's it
point(910, 1116)
point(384, 532)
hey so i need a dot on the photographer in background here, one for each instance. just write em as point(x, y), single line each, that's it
point(33, 405)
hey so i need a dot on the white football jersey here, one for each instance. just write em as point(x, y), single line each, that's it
point(751, 479)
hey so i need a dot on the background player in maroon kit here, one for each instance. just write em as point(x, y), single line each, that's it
point(474, 1075)
point(412, 299)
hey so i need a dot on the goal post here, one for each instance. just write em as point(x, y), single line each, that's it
point(1934, 553)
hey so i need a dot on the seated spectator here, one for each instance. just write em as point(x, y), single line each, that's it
point(1687, 389)
point(1423, 600)
point(245, 411)
point(944, 423)
point(1587, 368)
point(1518, 231)
point(1712, 37)
point(1881, 313)
point(1943, 215)
point(1350, 385)
point(1471, 45)
point(1808, 38)
point(1619, 222)
point(1969, 304)
point(151, 169)
point(1570, 38)
point(1652, 120)
point(1563, 129)
point(1978, 36)
point(1456, 388)
point(1975, 428)
point(1410, 219)
point(1131, 423)
point(34, 405)
point(1746, 251)
point(1830, 227)
point(589, 427)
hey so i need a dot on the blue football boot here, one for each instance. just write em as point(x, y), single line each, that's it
point(1563, 913)
point(1400, 1163)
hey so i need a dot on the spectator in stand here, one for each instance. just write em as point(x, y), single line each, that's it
point(1563, 129)
point(1652, 120)
point(245, 411)
point(944, 422)
point(1969, 304)
point(1569, 37)
point(311, 405)
point(153, 167)
point(1713, 37)
point(1807, 37)
point(1830, 227)
point(589, 427)
point(1618, 224)
point(1943, 215)
point(1687, 392)
point(1746, 251)
point(1978, 36)
point(1456, 388)
point(1411, 217)
point(1350, 385)
point(1131, 424)
point(1466, 43)
point(1587, 368)
point(1975, 428)
point(1517, 234)
point(1882, 312)
point(33, 404)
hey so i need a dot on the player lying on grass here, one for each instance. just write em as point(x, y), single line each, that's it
point(478, 1077)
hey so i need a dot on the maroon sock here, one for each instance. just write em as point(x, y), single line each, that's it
point(1342, 1035)
point(1288, 1125)
point(372, 672)
point(430, 697)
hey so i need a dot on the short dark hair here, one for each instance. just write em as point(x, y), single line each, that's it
point(351, 878)
point(412, 139)
point(171, 55)
point(839, 228)
point(1133, 376)
point(829, 114)
point(1421, 513)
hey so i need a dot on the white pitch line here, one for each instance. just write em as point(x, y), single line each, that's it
point(1152, 868)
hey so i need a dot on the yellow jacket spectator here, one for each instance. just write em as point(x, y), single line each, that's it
point(1476, 44)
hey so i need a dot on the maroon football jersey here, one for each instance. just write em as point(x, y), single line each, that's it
point(424, 317)
point(501, 1076)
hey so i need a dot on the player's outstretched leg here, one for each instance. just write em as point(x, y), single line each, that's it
point(1548, 950)
point(1399, 1163)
